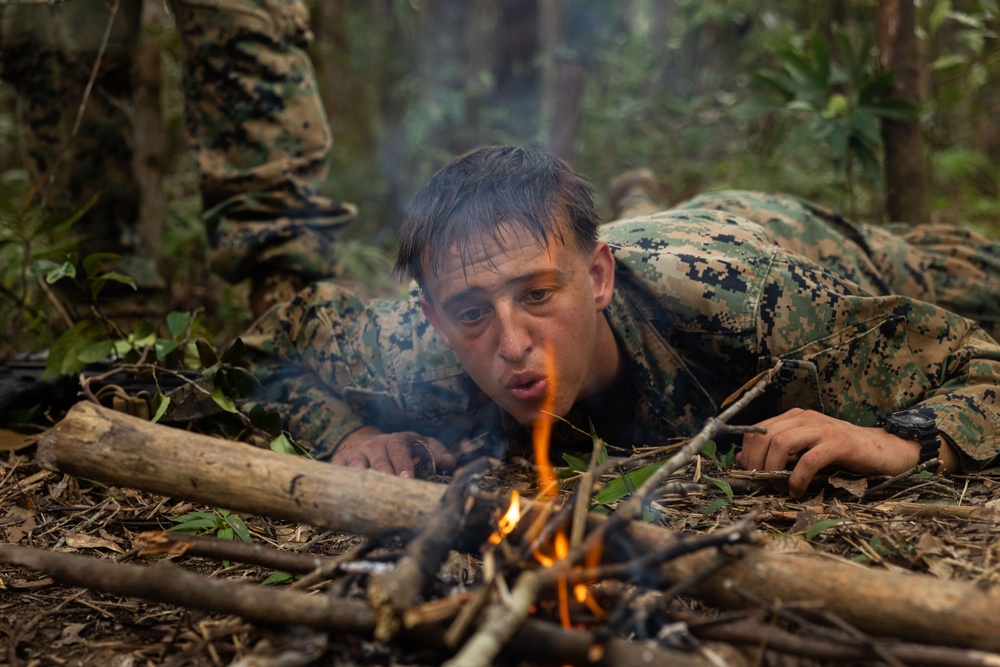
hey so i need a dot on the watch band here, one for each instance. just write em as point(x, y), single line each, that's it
point(926, 435)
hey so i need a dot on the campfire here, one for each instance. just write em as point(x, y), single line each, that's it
point(555, 583)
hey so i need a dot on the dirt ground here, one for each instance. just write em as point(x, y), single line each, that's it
point(946, 529)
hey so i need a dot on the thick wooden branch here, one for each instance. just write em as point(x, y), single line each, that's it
point(99, 444)
point(536, 640)
point(392, 594)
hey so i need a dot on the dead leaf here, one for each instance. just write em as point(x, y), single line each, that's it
point(788, 544)
point(24, 523)
point(82, 541)
point(163, 542)
point(855, 487)
point(56, 490)
point(939, 567)
point(11, 441)
point(71, 634)
point(742, 390)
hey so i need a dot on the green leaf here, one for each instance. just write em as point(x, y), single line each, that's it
point(178, 323)
point(285, 445)
point(722, 484)
point(280, 578)
point(708, 449)
point(851, 62)
point(164, 347)
point(196, 524)
point(144, 334)
point(95, 352)
point(160, 405)
point(70, 221)
point(818, 527)
point(239, 528)
point(63, 354)
point(575, 464)
point(53, 271)
point(265, 420)
point(206, 353)
point(223, 401)
point(194, 515)
point(820, 57)
point(118, 277)
point(714, 506)
point(727, 460)
point(225, 533)
point(92, 263)
point(234, 352)
point(949, 61)
point(242, 382)
point(620, 487)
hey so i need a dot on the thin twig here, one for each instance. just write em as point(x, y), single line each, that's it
point(56, 302)
point(632, 507)
point(916, 470)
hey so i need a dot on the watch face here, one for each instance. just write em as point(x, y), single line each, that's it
point(912, 419)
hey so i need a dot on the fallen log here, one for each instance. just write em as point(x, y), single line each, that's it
point(164, 582)
point(95, 443)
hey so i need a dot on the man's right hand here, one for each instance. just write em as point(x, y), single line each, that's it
point(392, 453)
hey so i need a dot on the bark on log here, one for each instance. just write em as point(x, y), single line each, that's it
point(539, 641)
point(113, 448)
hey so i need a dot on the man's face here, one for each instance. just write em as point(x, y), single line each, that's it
point(502, 309)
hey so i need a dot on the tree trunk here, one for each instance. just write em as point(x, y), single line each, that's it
point(517, 49)
point(150, 132)
point(905, 178)
point(562, 84)
point(660, 32)
point(565, 122)
point(551, 35)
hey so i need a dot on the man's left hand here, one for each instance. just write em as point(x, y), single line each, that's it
point(808, 441)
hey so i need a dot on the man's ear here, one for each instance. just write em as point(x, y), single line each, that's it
point(602, 274)
point(432, 317)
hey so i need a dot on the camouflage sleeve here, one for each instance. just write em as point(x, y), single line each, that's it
point(306, 359)
point(870, 355)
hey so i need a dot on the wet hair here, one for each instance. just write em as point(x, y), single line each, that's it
point(466, 202)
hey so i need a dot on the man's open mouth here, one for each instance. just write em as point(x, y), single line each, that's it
point(527, 386)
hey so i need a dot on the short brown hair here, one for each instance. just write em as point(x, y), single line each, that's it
point(467, 200)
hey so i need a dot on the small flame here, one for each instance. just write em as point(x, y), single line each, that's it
point(508, 522)
point(547, 485)
point(547, 488)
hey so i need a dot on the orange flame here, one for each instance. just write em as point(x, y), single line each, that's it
point(547, 485)
point(547, 489)
point(509, 520)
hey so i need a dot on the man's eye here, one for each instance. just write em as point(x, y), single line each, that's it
point(470, 315)
point(537, 295)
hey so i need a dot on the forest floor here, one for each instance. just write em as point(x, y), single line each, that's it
point(945, 529)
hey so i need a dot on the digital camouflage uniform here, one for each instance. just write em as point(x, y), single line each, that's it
point(952, 267)
point(704, 300)
point(254, 118)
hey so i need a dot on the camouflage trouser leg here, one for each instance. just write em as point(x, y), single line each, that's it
point(951, 267)
point(965, 268)
point(261, 137)
point(47, 54)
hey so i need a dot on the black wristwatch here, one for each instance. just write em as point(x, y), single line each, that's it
point(914, 426)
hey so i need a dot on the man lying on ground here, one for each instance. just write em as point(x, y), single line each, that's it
point(641, 327)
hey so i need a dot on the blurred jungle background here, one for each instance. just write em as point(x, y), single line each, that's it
point(883, 109)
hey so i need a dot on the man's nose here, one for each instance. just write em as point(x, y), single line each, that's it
point(515, 339)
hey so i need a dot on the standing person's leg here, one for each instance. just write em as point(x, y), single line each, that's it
point(262, 142)
point(48, 54)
